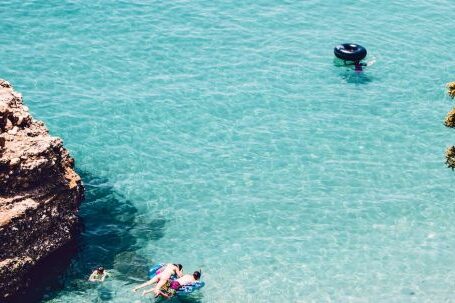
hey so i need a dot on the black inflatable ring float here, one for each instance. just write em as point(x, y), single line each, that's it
point(350, 52)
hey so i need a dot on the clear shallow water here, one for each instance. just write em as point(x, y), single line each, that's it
point(222, 136)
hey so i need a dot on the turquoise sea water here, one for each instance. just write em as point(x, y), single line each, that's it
point(222, 136)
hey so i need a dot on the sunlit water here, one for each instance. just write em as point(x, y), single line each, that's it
point(222, 136)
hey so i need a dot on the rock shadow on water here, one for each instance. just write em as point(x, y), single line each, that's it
point(111, 227)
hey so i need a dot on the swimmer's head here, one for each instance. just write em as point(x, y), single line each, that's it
point(180, 266)
point(197, 275)
point(100, 270)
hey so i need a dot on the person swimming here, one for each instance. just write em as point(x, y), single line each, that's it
point(162, 277)
point(170, 288)
point(98, 275)
point(358, 66)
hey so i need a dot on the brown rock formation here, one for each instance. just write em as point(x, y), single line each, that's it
point(451, 89)
point(39, 193)
point(449, 121)
point(450, 156)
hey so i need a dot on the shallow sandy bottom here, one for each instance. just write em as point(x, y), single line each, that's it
point(224, 137)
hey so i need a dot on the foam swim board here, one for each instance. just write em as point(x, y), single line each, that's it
point(154, 270)
point(189, 288)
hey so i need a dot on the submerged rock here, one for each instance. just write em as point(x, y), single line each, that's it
point(449, 121)
point(450, 156)
point(40, 193)
point(451, 89)
point(131, 266)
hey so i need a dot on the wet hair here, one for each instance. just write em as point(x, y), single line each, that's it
point(100, 269)
point(197, 275)
point(180, 266)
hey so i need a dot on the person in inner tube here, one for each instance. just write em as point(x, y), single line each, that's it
point(357, 65)
point(170, 288)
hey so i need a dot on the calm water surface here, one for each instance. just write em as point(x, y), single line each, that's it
point(222, 136)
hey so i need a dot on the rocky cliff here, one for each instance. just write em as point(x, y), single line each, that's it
point(39, 193)
point(450, 157)
point(451, 89)
point(449, 121)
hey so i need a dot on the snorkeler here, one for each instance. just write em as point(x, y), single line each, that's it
point(98, 275)
point(170, 288)
point(161, 278)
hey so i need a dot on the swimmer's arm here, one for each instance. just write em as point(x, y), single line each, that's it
point(164, 295)
point(92, 277)
point(353, 63)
